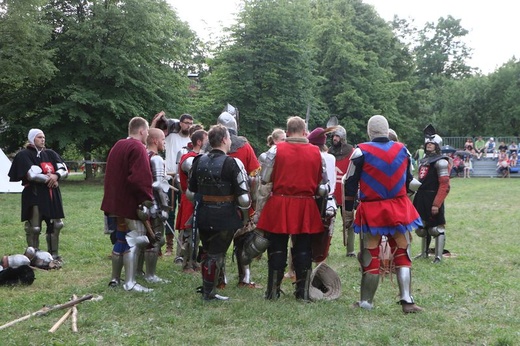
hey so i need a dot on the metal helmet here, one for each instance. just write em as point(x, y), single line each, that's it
point(430, 136)
point(227, 120)
point(340, 132)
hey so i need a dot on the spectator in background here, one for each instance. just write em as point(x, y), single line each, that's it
point(480, 147)
point(490, 147)
point(502, 147)
point(513, 159)
point(458, 166)
point(513, 148)
point(468, 166)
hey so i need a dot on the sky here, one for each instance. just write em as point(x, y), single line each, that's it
point(491, 24)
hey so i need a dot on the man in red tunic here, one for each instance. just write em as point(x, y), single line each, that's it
point(296, 174)
point(379, 172)
point(128, 183)
point(185, 212)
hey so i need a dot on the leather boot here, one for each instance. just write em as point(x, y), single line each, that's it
point(169, 244)
point(211, 271)
point(303, 282)
point(274, 281)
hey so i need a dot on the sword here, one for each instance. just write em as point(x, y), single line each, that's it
point(173, 232)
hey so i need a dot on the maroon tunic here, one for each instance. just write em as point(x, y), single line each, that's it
point(292, 209)
point(128, 179)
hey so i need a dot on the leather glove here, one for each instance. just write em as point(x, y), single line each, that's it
point(348, 218)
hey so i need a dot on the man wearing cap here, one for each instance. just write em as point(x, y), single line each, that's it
point(490, 147)
point(342, 151)
point(321, 243)
point(379, 172)
point(40, 170)
point(292, 175)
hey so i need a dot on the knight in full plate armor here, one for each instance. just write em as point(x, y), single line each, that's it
point(292, 176)
point(242, 150)
point(159, 209)
point(342, 150)
point(177, 134)
point(434, 175)
point(379, 172)
point(219, 188)
point(40, 170)
point(127, 197)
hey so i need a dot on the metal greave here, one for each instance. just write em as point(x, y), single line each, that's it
point(404, 280)
point(369, 284)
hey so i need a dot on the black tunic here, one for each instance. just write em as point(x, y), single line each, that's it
point(48, 200)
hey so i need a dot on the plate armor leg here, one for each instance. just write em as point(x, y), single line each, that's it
point(369, 284)
point(302, 268)
point(117, 268)
point(33, 228)
point(404, 279)
point(212, 266)
point(53, 237)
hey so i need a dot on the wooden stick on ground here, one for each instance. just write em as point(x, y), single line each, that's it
point(74, 316)
point(60, 321)
point(47, 309)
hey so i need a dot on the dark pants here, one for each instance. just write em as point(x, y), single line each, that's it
point(277, 251)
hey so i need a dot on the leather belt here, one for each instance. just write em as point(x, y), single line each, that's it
point(218, 199)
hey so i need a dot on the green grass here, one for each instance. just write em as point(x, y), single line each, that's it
point(470, 299)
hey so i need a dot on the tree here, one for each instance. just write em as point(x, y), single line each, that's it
point(25, 60)
point(363, 68)
point(116, 60)
point(441, 52)
point(264, 68)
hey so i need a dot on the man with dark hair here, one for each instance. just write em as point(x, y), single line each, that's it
point(292, 175)
point(379, 172)
point(185, 213)
point(243, 151)
point(177, 134)
point(218, 185)
point(342, 150)
point(40, 170)
point(128, 184)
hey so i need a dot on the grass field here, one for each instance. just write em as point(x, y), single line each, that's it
point(472, 298)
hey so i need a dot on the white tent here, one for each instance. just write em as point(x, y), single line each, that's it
point(7, 186)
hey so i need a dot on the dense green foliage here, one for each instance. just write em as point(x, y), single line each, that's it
point(81, 69)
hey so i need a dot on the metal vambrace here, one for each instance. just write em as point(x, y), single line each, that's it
point(35, 174)
point(264, 192)
point(62, 171)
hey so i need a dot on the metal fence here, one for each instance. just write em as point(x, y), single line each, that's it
point(458, 142)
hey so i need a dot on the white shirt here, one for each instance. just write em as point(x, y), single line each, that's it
point(174, 143)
